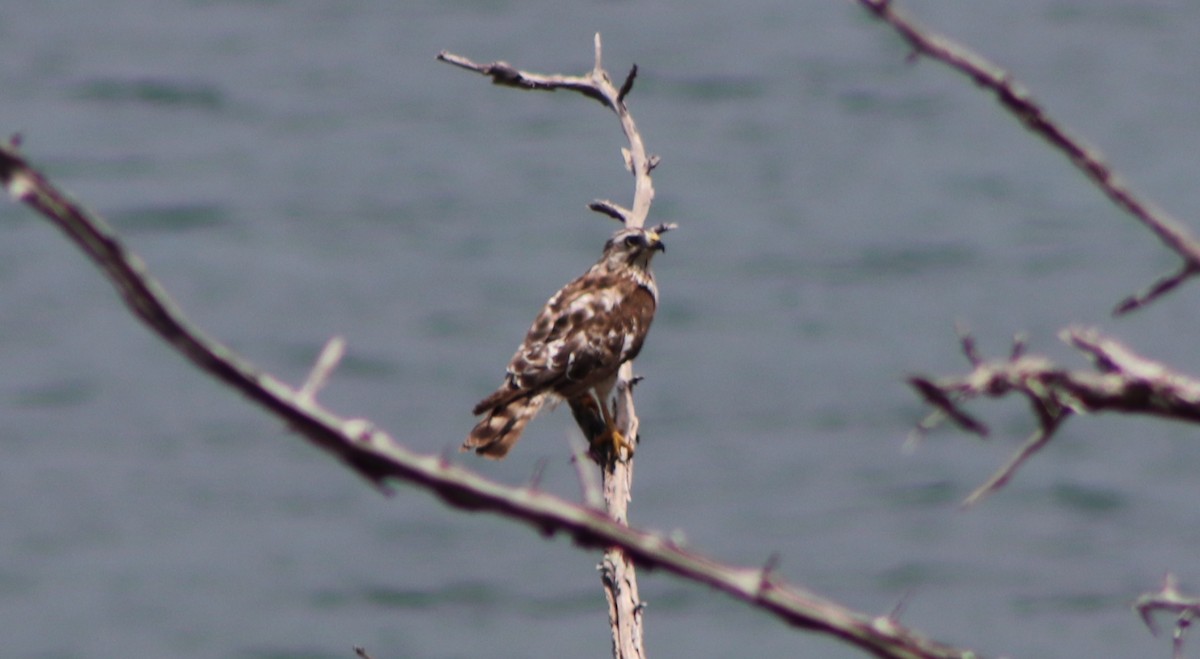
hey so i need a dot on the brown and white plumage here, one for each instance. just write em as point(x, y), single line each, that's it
point(577, 343)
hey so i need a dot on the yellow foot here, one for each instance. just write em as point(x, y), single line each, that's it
point(611, 442)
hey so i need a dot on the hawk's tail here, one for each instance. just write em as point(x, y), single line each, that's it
point(501, 427)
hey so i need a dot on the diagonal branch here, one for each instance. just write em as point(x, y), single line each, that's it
point(1015, 98)
point(1123, 382)
point(1040, 437)
point(375, 456)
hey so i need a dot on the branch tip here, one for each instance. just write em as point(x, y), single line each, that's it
point(627, 86)
point(1168, 599)
point(330, 356)
point(1038, 439)
point(539, 470)
point(901, 605)
point(766, 576)
point(593, 495)
point(599, 60)
point(937, 396)
point(611, 209)
point(1159, 288)
point(967, 343)
point(772, 563)
point(1019, 344)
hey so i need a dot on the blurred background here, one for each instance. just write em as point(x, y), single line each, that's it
point(295, 170)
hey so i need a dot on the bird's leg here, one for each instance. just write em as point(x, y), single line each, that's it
point(597, 419)
point(589, 418)
point(611, 439)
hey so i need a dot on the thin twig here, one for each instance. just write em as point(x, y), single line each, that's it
point(627, 86)
point(589, 484)
point(1036, 441)
point(611, 209)
point(327, 361)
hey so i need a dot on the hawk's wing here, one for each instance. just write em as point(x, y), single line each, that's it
point(584, 333)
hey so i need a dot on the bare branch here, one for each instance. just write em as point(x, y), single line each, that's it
point(589, 485)
point(1124, 382)
point(1036, 441)
point(1159, 288)
point(941, 397)
point(627, 86)
point(766, 579)
point(597, 85)
point(1020, 343)
point(1013, 97)
point(967, 343)
point(327, 361)
point(1168, 598)
point(1148, 386)
point(661, 229)
point(611, 209)
point(539, 470)
point(503, 73)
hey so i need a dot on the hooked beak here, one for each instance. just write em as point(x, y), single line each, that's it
point(655, 241)
point(655, 235)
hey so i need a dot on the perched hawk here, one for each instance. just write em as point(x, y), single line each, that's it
point(576, 344)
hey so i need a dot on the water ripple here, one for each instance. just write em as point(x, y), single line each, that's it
point(171, 93)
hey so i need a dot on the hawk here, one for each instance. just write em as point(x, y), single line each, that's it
point(576, 345)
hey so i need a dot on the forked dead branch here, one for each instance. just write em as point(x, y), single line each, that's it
point(1122, 382)
point(1168, 600)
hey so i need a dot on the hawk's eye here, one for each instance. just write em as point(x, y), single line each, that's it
point(635, 239)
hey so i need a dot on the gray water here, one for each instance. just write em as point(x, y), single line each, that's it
point(295, 170)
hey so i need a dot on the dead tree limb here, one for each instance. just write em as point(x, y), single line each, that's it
point(616, 569)
point(1168, 599)
point(379, 459)
point(1017, 100)
point(1122, 382)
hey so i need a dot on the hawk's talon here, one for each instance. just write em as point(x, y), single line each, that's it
point(622, 448)
point(612, 439)
point(611, 442)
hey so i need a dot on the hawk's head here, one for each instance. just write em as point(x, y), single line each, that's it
point(633, 247)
